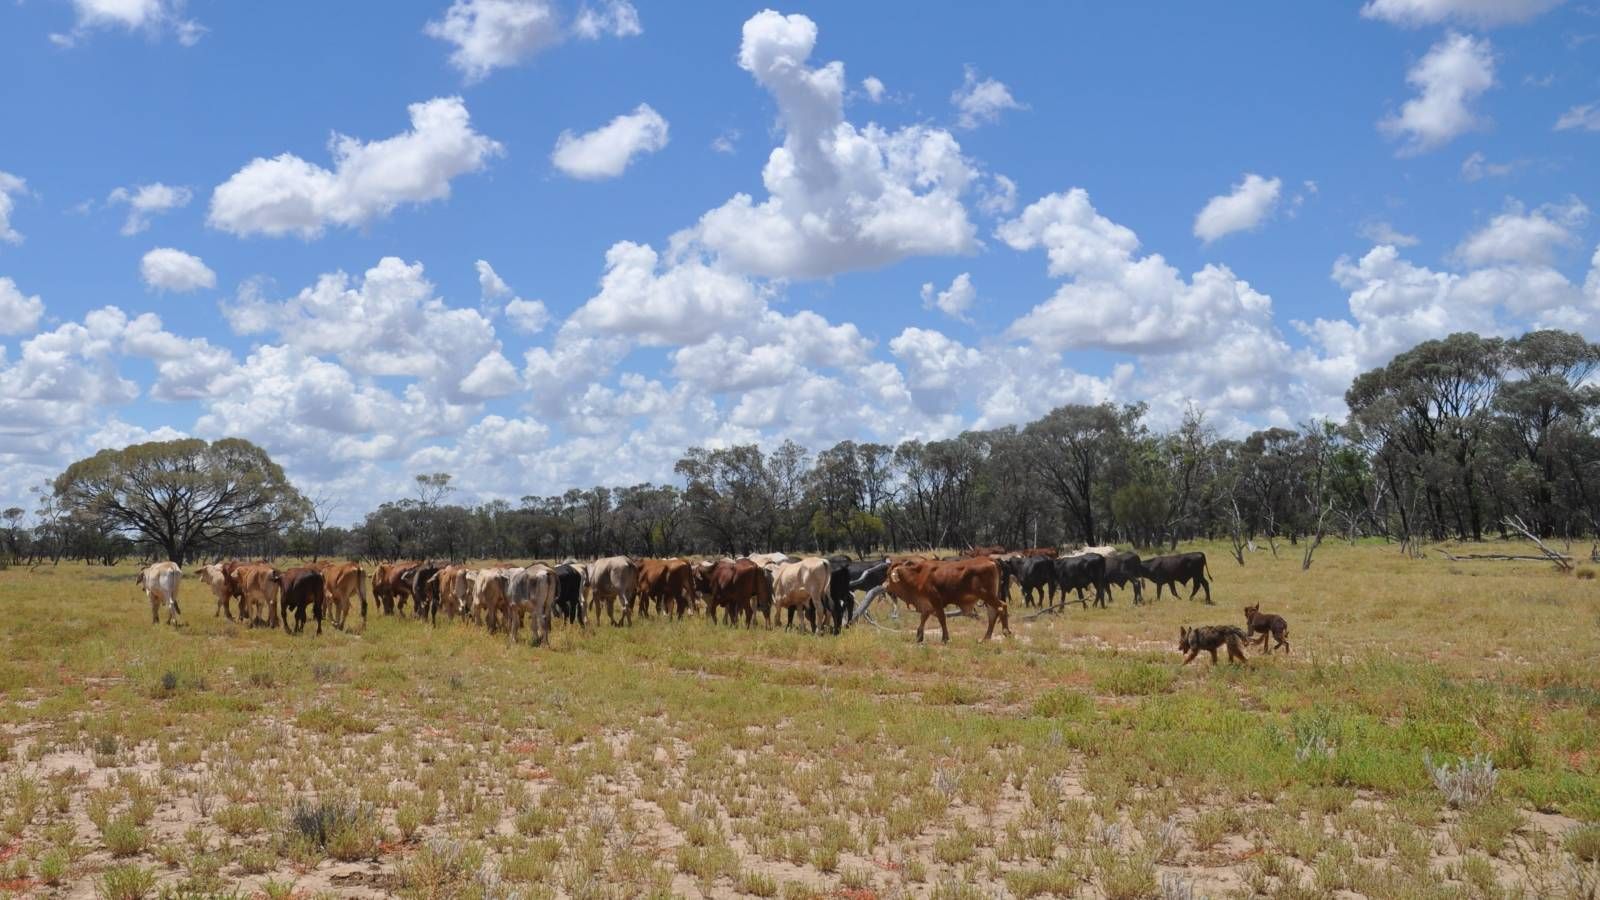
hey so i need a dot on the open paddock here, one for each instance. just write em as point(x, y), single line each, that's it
point(678, 758)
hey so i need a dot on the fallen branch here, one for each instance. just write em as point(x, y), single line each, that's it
point(1562, 562)
point(1504, 557)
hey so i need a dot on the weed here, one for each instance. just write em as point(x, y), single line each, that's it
point(1471, 781)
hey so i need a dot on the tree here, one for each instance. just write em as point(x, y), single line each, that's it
point(182, 496)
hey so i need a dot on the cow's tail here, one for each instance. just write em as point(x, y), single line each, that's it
point(1205, 563)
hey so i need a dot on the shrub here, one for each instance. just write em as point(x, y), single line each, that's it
point(127, 882)
point(1471, 781)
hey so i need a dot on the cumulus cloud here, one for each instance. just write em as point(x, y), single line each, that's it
point(1448, 78)
point(1251, 202)
point(526, 316)
point(288, 195)
point(874, 88)
point(998, 196)
point(953, 301)
point(1585, 117)
point(153, 17)
point(147, 200)
point(980, 101)
point(1482, 13)
point(1477, 167)
point(1519, 236)
point(166, 269)
point(496, 34)
point(841, 198)
point(682, 302)
point(608, 150)
point(10, 187)
point(19, 312)
point(1116, 299)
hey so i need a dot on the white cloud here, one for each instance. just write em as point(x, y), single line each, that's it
point(609, 149)
point(19, 313)
point(682, 303)
point(953, 301)
point(1483, 13)
point(166, 269)
point(490, 283)
point(1116, 300)
point(1252, 200)
point(1518, 236)
point(493, 34)
point(496, 34)
point(10, 186)
point(288, 195)
point(998, 196)
point(1477, 167)
point(148, 200)
point(186, 368)
point(614, 18)
point(874, 88)
point(1381, 232)
point(727, 142)
point(840, 197)
point(526, 316)
point(1585, 116)
point(1453, 73)
point(153, 17)
point(981, 101)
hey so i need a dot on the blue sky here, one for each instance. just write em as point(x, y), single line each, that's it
point(740, 236)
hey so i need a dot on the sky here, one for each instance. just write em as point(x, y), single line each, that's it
point(542, 244)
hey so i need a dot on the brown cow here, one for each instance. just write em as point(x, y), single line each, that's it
point(258, 593)
point(928, 587)
point(666, 582)
point(341, 581)
point(994, 550)
point(389, 587)
point(736, 586)
point(1041, 551)
point(455, 594)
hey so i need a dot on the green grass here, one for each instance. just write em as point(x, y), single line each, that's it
point(680, 757)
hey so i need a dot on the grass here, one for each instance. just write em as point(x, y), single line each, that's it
point(684, 759)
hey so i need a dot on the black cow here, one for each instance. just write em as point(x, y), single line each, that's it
point(1124, 568)
point(300, 588)
point(424, 585)
point(569, 593)
point(1180, 568)
point(1074, 573)
point(1033, 573)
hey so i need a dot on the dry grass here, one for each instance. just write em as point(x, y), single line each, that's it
point(695, 760)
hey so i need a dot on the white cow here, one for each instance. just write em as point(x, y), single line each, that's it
point(802, 584)
point(160, 583)
point(532, 593)
point(213, 577)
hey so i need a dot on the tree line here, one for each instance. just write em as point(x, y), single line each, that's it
point(1448, 440)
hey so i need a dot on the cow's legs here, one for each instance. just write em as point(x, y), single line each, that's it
point(994, 614)
point(1207, 585)
point(944, 623)
point(923, 624)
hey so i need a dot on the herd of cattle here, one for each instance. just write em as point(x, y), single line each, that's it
point(503, 597)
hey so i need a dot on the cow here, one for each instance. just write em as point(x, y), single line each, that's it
point(1124, 568)
point(160, 583)
point(389, 587)
point(569, 593)
point(424, 591)
point(667, 582)
point(489, 595)
point(736, 586)
point(928, 587)
point(1074, 573)
point(842, 571)
point(212, 577)
point(531, 592)
point(1040, 551)
point(1180, 568)
point(258, 593)
point(300, 588)
point(454, 593)
point(1032, 573)
point(769, 559)
point(994, 550)
point(340, 582)
point(802, 584)
point(610, 580)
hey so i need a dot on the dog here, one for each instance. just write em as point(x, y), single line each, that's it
point(1267, 625)
point(1209, 638)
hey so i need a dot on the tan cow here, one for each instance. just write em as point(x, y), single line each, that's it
point(930, 586)
point(340, 582)
point(802, 584)
point(769, 559)
point(531, 593)
point(213, 577)
point(489, 600)
point(389, 585)
point(258, 593)
point(611, 579)
point(160, 584)
point(455, 594)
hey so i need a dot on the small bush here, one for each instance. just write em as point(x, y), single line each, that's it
point(1584, 843)
point(1058, 703)
point(126, 882)
point(1470, 782)
point(1136, 680)
point(123, 837)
